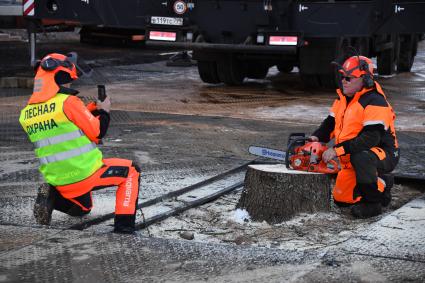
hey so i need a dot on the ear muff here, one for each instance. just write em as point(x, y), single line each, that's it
point(368, 81)
point(62, 77)
point(367, 78)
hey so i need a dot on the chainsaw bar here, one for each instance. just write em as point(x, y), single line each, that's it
point(267, 152)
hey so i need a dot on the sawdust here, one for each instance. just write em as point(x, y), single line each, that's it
point(221, 222)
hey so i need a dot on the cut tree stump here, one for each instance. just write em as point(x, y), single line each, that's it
point(275, 194)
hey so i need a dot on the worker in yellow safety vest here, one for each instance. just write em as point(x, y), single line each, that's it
point(65, 133)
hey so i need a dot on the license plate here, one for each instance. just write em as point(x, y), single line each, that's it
point(283, 40)
point(162, 35)
point(167, 21)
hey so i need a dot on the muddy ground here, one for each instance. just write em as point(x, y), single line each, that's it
point(183, 131)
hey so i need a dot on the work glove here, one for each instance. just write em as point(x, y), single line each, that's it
point(104, 105)
point(328, 155)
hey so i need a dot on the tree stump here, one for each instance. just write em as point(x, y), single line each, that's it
point(274, 194)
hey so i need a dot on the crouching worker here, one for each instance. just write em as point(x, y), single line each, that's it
point(65, 132)
point(362, 122)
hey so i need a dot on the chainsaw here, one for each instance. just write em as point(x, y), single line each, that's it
point(300, 155)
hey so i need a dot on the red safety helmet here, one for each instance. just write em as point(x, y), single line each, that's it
point(357, 66)
point(51, 71)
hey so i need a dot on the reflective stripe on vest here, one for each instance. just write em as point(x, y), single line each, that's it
point(58, 139)
point(67, 154)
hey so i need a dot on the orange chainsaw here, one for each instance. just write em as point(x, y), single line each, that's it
point(300, 155)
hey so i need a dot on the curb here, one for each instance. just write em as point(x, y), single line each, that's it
point(16, 82)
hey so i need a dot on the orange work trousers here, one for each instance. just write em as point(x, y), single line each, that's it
point(359, 176)
point(114, 172)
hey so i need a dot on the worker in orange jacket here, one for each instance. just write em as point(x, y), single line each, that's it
point(65, 132)
point(362, 123)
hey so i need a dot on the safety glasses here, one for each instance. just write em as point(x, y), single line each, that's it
point(348, 79)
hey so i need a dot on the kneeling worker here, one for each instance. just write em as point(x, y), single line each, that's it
point(65, 132)
point(362, 122)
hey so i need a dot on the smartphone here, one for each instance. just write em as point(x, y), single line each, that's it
point(101, 92)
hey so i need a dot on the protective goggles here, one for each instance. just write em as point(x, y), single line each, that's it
point(347, 79)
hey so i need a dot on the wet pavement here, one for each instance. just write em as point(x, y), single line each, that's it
point(387, 251)
point(183, 131)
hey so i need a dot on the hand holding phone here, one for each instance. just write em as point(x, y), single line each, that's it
point(101, 93)
point(103, 101)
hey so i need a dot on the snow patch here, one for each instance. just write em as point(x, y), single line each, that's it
point(240, 216)
point(311, 113)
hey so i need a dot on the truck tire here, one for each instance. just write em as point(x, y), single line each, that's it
point(387, 59)
point(310, 80)
point(285, 68)
point(208, 72)
point(361, 44)
point(316, 70)
point(408, 47)
point(256, 70)
point(385, 62)
point(230, 72)
point(87, 38)
point(328, 81)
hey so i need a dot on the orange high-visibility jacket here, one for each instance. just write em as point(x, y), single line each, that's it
point(77, 112)
point(367, 108)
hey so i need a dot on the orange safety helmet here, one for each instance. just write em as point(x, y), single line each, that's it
point(53, 70)
point(357, 66)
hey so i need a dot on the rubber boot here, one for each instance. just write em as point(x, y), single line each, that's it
point(366, 209)
point(389, 182)
point(44, 204)
point(125, 224)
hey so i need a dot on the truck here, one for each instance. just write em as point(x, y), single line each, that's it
point(98, 21)
point(10, 13)
point(237, 39)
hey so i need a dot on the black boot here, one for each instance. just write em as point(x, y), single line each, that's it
point(44, 204)
point(125, 224)
point(389, 182)
point(366, 209)
point(386, 197)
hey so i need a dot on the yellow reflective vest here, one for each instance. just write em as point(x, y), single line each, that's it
point(65, 153)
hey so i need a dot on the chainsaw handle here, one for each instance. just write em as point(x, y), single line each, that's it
point(291, 144)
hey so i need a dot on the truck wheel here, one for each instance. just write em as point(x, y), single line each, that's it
point(328, 81)
point(88, 39)
point(408, 47)
point(208, 72)
point(310, 80)
point(387, 59)
point(256, 71)
point(230, 72)
point(385, 62)
point(361, 44)
point(284, 68)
